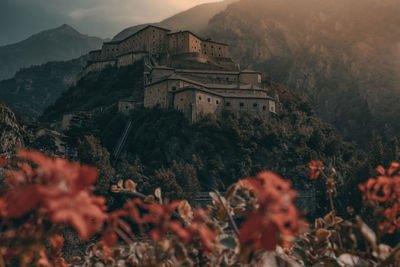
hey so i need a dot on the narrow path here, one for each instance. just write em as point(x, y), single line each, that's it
point(122, 139)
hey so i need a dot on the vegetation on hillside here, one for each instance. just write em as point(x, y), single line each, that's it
point(33, 89)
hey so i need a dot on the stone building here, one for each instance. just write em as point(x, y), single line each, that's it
point(158, 43)
point(185, 72)
point(197, 92)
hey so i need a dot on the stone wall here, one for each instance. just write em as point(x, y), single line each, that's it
point(130, 58)
point(214, 49)
point(157, 94)
point(94, 55)
point(254, 106)
point(178, 43)
point(151, 39)
point(195, 103)
point(250, 77)
point(110, 51)
point(210, 76)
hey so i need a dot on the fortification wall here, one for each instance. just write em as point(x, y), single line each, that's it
point(94, 55)
point(197, 60)
point(194, 103)
point(130, 58)
point(210, 77)
point(250, 78)
point(238, 92)
point(157, 94)
point(254, 106)
point(214, 49)
point(96, 66)
point(151, 39)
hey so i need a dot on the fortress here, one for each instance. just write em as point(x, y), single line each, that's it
point(185, 72)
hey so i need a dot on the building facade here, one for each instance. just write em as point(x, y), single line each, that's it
point(198, 78)
point(197, 93)
point(159, 41)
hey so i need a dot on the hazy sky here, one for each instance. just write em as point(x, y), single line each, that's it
point(104, 18)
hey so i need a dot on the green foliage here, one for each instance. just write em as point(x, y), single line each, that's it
point(99, 90)
point(33, 89)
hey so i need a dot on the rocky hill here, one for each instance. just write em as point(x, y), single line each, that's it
point(62, 43)
point(164, 149)
point(33, 89)
point(12, 133)
point(342, 56)
point(194, 19)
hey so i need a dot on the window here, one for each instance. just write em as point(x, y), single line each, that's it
point(255, 105)
point(227, 78)
point(228, 104)
point(217, 102)
point(241, 104)
point(173, 88)
point(209, 99)
point(264, 108)
point(181, 99)
point(199, 97)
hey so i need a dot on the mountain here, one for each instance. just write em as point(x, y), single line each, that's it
point(33, 89)
point(343, 56)
point(62, 43)
point(194, 19)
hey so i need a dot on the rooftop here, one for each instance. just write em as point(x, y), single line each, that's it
point(145, 28)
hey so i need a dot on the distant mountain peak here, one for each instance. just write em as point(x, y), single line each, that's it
point(65, 29)
point(61, 43)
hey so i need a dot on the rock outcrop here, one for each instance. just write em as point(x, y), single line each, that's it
point(11, 132)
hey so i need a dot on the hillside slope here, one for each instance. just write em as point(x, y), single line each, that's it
point(342, 56)
point(62, 43)
point(33, 89)
point(213, 152)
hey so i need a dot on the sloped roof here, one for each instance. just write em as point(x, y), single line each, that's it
point(145, 28)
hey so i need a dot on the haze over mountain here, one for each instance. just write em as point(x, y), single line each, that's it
point(343, 56)
point(194, 19)
point(62, 43)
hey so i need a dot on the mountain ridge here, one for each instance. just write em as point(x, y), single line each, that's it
point(61, 43)
point(194, 19)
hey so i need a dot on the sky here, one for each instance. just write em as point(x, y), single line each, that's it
point(103, 18)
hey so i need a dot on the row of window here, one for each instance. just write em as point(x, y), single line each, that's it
point(228, 104)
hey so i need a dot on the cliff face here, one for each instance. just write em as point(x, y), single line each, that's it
point(11, 132)
point(342, 56)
